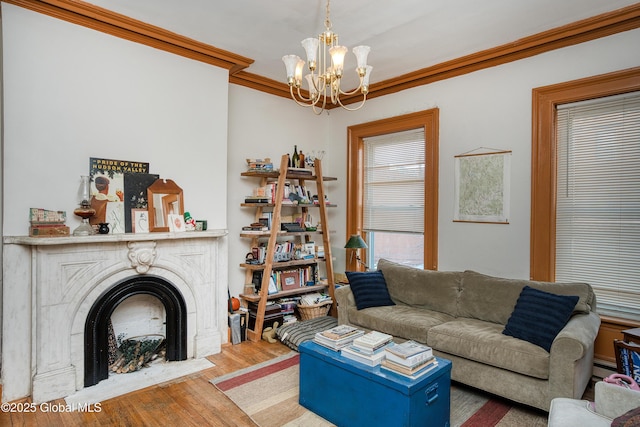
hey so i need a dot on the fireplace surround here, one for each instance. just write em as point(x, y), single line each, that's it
point(54, 288)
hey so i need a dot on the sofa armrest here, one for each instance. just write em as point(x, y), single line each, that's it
point(571, 356)
point(612, 400)
point(577, 336)
point(345, 300)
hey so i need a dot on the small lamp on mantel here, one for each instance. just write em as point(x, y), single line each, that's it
point(85, 211)
point(356, 242)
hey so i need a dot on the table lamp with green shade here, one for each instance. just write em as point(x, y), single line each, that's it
point(356, 242)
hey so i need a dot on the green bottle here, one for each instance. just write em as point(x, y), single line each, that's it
point(295, 160)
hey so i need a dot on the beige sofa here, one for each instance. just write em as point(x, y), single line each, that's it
point(462, 315)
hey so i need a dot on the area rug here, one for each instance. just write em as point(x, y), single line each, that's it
point(268, 393)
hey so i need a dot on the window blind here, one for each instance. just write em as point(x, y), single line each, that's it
point(598, 200)
point(394, 182)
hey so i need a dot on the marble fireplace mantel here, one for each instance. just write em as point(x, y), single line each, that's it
point(50, 284)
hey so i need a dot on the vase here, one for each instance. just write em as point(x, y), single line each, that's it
point(103, 228)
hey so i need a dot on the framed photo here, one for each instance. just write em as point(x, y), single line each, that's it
point(482, 187)
point(290, 280)
point(140, 220)
point(176, 223)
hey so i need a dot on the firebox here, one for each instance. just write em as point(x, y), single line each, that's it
point(96, 337)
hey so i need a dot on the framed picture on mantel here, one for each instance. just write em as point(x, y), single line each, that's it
point(139, 220)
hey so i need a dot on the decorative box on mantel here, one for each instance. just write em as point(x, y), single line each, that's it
point(52, 286)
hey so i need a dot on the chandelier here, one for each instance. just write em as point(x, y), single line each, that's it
point(324, 78)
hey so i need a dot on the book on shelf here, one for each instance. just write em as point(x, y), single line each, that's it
point(409, 348)
point(273, 288)
point(418, 371)
point(373, 340)
point(254, 227)
point(336, 344)
point(339, 331)
point(301, 171)
point(353, 353)
point(256, 199)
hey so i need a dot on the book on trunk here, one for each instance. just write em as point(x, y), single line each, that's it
point(339, 331)
point(373, 340)
point(408, 349)
point(416, 372)
point(353, 353)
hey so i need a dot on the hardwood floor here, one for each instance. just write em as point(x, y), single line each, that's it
point(187, 401)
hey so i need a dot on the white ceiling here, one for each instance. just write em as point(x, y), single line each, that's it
point(404, 35)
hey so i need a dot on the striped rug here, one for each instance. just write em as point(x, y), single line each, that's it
point(268, 393)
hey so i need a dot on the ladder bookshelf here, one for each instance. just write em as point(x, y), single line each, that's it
point(275, 234)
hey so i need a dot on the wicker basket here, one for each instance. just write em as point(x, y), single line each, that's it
point(316, 310)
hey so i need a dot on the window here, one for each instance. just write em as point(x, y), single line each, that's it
point(392, 185)
point(551, 244)
point(598, 200)
point(394, 197)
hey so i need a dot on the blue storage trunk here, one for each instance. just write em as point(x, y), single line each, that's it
point(348, 393)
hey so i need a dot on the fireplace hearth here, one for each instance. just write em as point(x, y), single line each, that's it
point(59, 294)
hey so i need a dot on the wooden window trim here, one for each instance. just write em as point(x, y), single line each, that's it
point(429, 121)
point(544, 162)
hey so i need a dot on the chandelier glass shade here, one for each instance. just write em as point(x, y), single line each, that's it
point(325, 64)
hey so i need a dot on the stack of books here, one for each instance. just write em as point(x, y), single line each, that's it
point(409, 358)
point(338, 337)
point(255, 227)
point(368, 349)
point(260, 165)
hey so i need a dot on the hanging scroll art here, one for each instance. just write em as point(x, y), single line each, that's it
point(482, 186)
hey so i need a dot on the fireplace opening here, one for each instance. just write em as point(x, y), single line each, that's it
point(96, 351)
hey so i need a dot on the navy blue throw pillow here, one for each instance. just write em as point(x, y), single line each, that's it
point(369, 289)
point(539, 316)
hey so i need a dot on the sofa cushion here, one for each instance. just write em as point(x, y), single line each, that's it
point(484, 342)
point(369, 289)
point(494, 298)
point(431, 290)
point(539, 316)
point(398, 320)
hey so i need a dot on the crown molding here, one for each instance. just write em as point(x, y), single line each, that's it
point(90, 16)
point(263, 84)
point(106, 21)
point(603, 25)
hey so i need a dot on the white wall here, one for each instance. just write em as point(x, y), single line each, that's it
point(71, 93)
point(488, 108)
